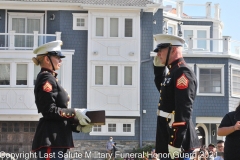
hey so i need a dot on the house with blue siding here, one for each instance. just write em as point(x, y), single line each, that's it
point(108, 66)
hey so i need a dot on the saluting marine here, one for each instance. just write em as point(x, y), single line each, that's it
point(176, 133)
point(54, 130)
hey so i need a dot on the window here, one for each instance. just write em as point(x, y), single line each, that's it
point(25, 23)
point(235, 79)
point(99, 26)
point(119, 75)
point(112, 127)
point(13, 74)
point(128, 27)
point(29, 126)
point(170, 30)
point(5, 74)
point(170, 27)
point(118, 127)
point(98, 75)
point(126, 127)
point(200, 35)
point(10, 127)
point(80, 21)
point(127, 75)
point(210, 78)
point(113, 27)
point(113, 75)
point(21, 74)
point(97, 128)
point(201, 44)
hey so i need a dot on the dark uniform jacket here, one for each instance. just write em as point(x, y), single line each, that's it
point(177, 92)
point(232, 141)
point(55, 127)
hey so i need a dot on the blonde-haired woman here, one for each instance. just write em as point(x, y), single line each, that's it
point(54, 131)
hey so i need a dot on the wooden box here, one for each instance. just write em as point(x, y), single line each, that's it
point(97, 117)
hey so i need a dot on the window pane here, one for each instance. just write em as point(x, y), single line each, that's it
point(18, 25)
point(236, 82)
point(127, 75)
point(80, 22)
point(210, 81)
point(5, 74)
point(170, 30)
point(128, 27)
point(21, 74)
point(26, 127)
point(186, 34)
point(99, 75)
point(126, 127)
point(16, 127)
point(111, 127)
point(97, 128)
point(99, 26)
point(4, 127)
point(113, 75)
point(33, 126)
point(32, 25)
point(113, 27)
point(202, 43)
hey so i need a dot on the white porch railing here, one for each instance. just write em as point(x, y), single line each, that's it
point(25, 41)
point(183, 10)
point(224, 46)
point(213, 46)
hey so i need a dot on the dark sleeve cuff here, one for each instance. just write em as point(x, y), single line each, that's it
point(67, 113)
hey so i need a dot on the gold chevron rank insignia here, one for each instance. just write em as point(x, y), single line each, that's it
point(47, 87)
point(182, 82)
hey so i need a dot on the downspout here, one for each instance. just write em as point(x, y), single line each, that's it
point(141, 90)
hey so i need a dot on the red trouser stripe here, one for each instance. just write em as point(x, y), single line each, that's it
point(48, 153)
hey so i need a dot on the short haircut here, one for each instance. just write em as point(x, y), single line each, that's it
point(211, 145)
point(220, 141)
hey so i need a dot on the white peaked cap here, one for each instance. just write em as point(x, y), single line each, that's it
point(48, 47)
point(166, 38)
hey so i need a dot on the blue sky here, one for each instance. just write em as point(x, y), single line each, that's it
point(229, 14)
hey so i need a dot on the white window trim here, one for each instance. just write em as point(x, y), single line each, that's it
point(106, 74)
point(236, 68)
point(26, 15)
point(121, 24)
point(173, 24)
point(119, 128)
point(13, 73)
point(195, 28)
point(82, 16)
point(211, 66)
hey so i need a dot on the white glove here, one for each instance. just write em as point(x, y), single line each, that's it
point(173, 151)
point(80, 114)
point(157, 62)
point(84, 129)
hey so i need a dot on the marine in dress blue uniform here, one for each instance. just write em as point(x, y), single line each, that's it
point(176, 133)
point(54, 131)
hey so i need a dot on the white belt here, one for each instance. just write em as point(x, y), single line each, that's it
point(167, 116)
point(164, 114)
